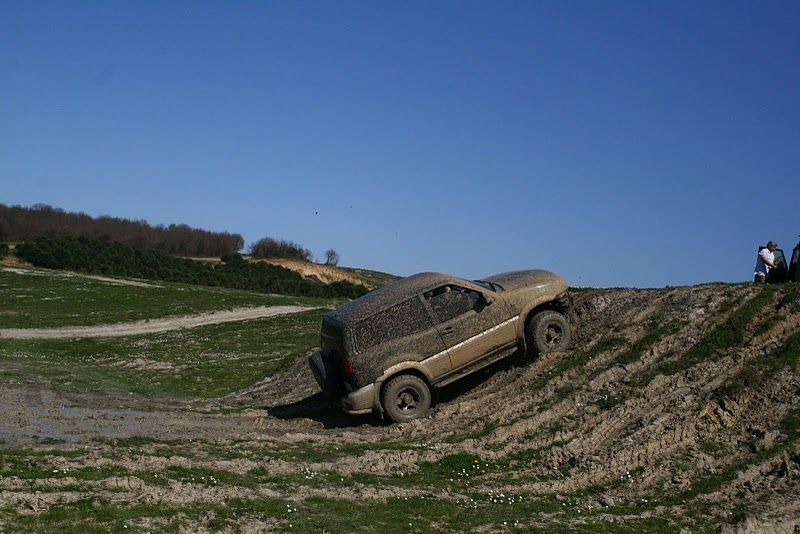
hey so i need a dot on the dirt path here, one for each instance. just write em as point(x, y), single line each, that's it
point(27, 271)
point(151, 326)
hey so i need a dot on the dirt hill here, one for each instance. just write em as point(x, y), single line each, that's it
point(677, 408)
point(678, 402)
point(327, 274)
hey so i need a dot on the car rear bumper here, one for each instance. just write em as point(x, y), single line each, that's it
point(360, 401)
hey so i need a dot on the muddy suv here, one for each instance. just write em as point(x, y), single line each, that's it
point(384, 351)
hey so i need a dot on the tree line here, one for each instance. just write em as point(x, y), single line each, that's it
point(18, 223)
point(101, 257)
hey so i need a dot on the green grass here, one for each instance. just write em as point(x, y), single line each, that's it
point(424, 513)
point(731, 333)
point(657, 329)
point(371, 278)
point(477, 434)
point(760, 370)
point(204, 362)
point(42, 298)
point(580, 359)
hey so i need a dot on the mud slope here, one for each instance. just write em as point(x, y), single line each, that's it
point(676, 407)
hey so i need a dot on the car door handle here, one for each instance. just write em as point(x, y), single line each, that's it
point(447, 330)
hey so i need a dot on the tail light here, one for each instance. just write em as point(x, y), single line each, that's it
point(347, 366)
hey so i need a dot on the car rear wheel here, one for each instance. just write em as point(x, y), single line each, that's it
point(406, 397)
point(548, 331)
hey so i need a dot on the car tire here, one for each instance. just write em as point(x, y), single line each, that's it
point(548, 331)
point(325, 374)
point(406, 397)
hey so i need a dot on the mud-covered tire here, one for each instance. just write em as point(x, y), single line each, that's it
point(405, 397)
point(325, 375)
point(548, 331)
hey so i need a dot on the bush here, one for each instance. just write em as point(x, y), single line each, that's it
point(3, 250)
point(232, 258)
point(268, 247)
point(95, 256)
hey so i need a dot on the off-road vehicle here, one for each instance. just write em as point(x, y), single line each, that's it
point(384, 351)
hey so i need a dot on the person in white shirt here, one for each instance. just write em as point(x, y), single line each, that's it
point(765, 262)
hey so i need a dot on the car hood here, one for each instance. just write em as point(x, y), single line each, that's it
point(523, 290)
point(531, 279)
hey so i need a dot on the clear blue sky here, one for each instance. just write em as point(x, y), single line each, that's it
point(616, 143)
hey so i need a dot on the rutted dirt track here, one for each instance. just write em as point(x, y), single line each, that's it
point(151, 326)
point(624, 416)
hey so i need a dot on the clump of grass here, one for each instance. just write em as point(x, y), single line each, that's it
point(581, 358)
point(731, 333)
point(759, 370)
point(656, 330)
point(710, 447)
point(608, 401)
point(483, 432)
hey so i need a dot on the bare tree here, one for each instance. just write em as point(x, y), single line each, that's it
point(331, 257)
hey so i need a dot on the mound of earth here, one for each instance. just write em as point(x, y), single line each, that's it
point(678, 405)
point(328, 274)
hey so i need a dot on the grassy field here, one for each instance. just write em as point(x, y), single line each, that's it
point(31, 298)
point(205, 362)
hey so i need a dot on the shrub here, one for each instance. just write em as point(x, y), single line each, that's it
point(232, 258)
point(268, 247)
point(95, 256)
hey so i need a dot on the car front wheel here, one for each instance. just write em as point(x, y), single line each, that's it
point(406, 397)
point(548, 331)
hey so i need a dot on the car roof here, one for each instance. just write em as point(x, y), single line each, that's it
point(382, 298)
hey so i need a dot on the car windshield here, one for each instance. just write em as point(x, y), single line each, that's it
point(487, 285)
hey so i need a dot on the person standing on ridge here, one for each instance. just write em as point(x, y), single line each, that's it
point(765, 262)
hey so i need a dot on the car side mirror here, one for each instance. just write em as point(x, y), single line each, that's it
point(482, 302)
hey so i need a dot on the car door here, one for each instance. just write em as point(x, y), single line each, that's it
point(470, 324)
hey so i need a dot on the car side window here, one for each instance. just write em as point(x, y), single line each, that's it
point(448, 302)
point(405, 319)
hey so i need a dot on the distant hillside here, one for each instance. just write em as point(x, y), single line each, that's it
point(18, 223)
point(325, 274)
point(98, 257)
